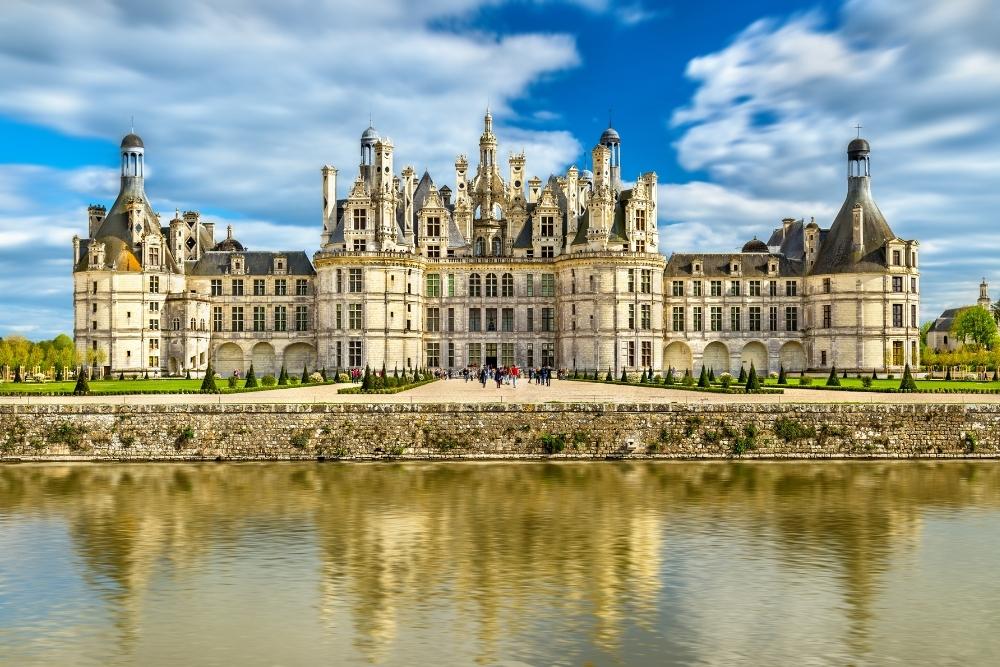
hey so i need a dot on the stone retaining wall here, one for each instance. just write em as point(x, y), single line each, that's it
point(495, 431)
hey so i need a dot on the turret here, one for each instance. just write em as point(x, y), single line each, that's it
point(515, 186)
point(132, 150)
point(487, 144)
point(95, 216)
point(368, 140)
point(611, 141)
point(984, 295)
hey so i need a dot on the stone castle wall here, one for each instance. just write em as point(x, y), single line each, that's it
point(495, 431)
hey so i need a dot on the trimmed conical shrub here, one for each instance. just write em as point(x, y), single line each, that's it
point(82, 386)
point(947, 376)
point(624, 377)
point(874, 374)
point(208, 383)
point(395, 372)
point(703, 378)
point(121, 376)
point(743, 375)
point(688, 379)
point(711, 375)
point(609, 377)
point(251, 380)
point(187, 374)
point(907, 383)
point(366, 382)
point(833, 380)
point(781, 376)
point(644, 379)
point(753, 382)
point(996, 375)
point(844, 374)
point(17, 374)
point(669, 377)
point(305, 375)
point(283, 376)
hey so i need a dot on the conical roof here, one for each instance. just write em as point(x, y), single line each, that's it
point(835, 253)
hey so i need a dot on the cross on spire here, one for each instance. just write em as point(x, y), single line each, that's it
point(858, 128)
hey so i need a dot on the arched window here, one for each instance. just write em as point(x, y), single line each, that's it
point(491, 285)
point(475, 285)
point(177, 324)
point(507, 285)
point(193, 324)
point(480, 248)
point(496, 246)
point(201, 325)
point(497, 212)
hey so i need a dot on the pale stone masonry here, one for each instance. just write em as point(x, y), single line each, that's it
point(502, 270)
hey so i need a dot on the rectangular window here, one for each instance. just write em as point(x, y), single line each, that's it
point(897, 353)
point(529, 285)
point(913, 285)
point(897, 257)
point(913, 315)
point(791, 318)
point(677, 288)
point(631, 280)
point(491, 319)
point(238, 287)
point(340, 317)
point(697, 324)
point(772, 288)
point(507, 320)
point(280, 287)
point(280, 319)
point(645, 316)
point(640, 219)
point(354, 353)
point(216, 287)
point(154, 306)
point(217, 318)
point(678, 318)
point(433, 229)
point(354, 316)
point(432, 284)
point(360, 219)
point(434, 251)
point(474, 354)
point(491, 353)
point(734, 318)
point(772, 318)
point(451, 284)
point(340, 281)
point(548, 319)
point(647, 353)
point(433, 320)
point(548, 284)
point(897, 314)
point(258, 287)
point(826, 316)
point(354, 282)
point(491, 285)
point(258, 318)
point(548, 354)
point(715, 315)
point(827, 286)
point(548, 252)
point(696, 288)
point(530, 323)
point(451, 354)
point(155, 325)
point(791, 288)
point(734, 287)
point(154, 284)
point(451, 319)
point(630, 352)
point(475, 285)
point(716, 287)
point(897, 283)
point(507, 285)
point(631, 316)
point(646, 285)
point(236, 323)
point(340, 354)
point(360, 245)
point(548, 226)
point(754, 322)
point(433, 354)
point(530, 355)
point(474, 319)
point(301, 287)
point(754, 288)
point(507, 354)
point(302, 318)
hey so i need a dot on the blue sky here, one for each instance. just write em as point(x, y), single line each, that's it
point(742, 109)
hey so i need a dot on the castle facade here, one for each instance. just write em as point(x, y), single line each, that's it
point(501, 270)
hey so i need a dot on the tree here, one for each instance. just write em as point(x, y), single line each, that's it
point(208, 382)
point(82, 386)
point(624, 377)
point(833, 380)
point(781, 376)
point(305, 375)
point(609, 377)
point(283, 376)
point(976, 327)
point(947, 375)
point(874, 374)
point(907, 383)
point(251, 380)
point(753, 382)
point(669, 377)
point(743, 375)
point(995, 310)
point(711, 375)
point(703, 378)
point(366, 383)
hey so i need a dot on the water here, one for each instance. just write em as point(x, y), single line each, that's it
point(629, 563)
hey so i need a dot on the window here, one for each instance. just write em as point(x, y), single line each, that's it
point(432, 284)
point(697, 324)
point(734, 287)
point(301, 287)
point(301, 318)
point(647, 353)
point(154, 256)
point(258, 318)
point(548, 354)
point(339, 317)
point(913, 285)
point(897, 283)
point(360, 245)
point(154, 325)
point(507, 285)
point(193, 324)
point(491, 319)
point(451, 284)
point(354, 353)
point(217, 318)
point(360, 219)
point(548, 284)
point(529, 285)
point(93, 287)
point(237, 287)
point(695, 288)
point(433, 228)
point(822, 358)
point(451, 319)
point(340, 281)
point(507, 320)
point(258, 287)
point(530, 355)
point(645, 319)
point(754, 288)
point(772, 318)
point(279, 318)
point(93, 307)
point(897, 314)
point(913, 315)
point(280, 287)
point(791, 287)
point(827, 286)
point(433, 354)
point(715, 315)
point(474, 319)
point(354, 316)
point(548, 252)
point(236, 322)
point(897, 257)
point(677, 288)
point(678, 318)
point(754, 322)
point(791, 318)
point(475, 285)
point(507, 354)
point(640, 220)
point(826, 316)
point(772, 288)
point(630, 352)
point(451, 353)
point(897, 352)
point(154, 284)
point(631, 316)
point(216, 287)
point(646, 285)
point(354, 281)
point(474, 354)
point(716, 288)
point(491, 285)
point(434, 251)
point(154, 306)
point(340, 354)
point(640, 246)
point(631, 280)
point(548, 319)
point(548, 226)
point(433, 320)
point(734, 318)
point(530, 321)
point(154, 361)
point(154, 344)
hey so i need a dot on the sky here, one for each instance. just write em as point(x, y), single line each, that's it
point(742, 109)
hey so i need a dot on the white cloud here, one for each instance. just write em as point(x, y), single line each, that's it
point(773, 112)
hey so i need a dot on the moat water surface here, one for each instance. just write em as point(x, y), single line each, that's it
point(627, 563)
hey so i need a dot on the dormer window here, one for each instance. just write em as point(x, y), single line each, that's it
point(736, 267)
point(280, 265)
point(896, 257)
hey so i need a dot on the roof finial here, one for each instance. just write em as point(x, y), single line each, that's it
point(858, 128)
point(609, 116)
point(132, 124)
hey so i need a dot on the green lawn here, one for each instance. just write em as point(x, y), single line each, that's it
point(852, 382)
point(166, 386)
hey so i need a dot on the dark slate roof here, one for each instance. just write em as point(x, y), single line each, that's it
point(945, 320)
point(716, 265)
point(132, 140)
point(583, 224)
point(256, 263)
point(229, 245)
point(755, 245)
point(791, 244)
point(115, 224)
point(455, 238)
point(118, 256)
point(523, 239)
point(618, 234)
point(835, 249)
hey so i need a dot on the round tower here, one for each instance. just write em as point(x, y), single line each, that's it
point(132, 150)
point(611, 140)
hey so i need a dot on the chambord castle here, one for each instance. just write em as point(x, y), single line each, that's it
point(564, 272)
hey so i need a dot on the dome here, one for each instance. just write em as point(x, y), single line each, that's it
point(229, 245)
point(858, 148)
point(586, 175)
point(755, 245)
point(132, 140)
point(610, 136)
point(370, 134)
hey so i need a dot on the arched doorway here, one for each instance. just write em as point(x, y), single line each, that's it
point(755, 353)
point(174, 366)
point(716, 357)
point(792, 356)
point(228, 358)
point(263, 359)
point(298, 356)
point(677, 355)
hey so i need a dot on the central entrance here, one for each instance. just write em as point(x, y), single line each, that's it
point(491, 362)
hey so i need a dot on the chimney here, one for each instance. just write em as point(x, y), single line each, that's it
point(95, 215)
point(446, 195)
point(786, 224)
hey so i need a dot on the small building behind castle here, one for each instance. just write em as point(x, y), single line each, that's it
point(497, 269)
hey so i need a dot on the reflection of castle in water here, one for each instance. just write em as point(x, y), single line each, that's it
point(497, 551)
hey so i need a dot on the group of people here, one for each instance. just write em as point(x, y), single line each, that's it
point(508, 375)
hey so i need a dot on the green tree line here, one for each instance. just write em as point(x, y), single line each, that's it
point(18, 351)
